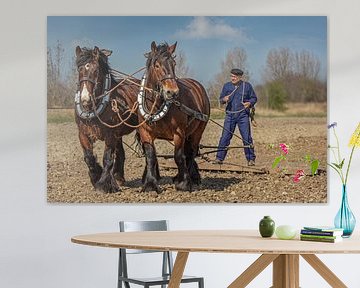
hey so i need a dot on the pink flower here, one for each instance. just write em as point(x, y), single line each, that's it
point(284, 148)
point(298, 176)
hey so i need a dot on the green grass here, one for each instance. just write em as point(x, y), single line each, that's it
point(58, 116)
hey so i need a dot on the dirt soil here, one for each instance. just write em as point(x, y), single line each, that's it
point(68, 180)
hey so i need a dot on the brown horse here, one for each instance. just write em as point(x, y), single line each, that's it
point(95, 116)
point(182, 113)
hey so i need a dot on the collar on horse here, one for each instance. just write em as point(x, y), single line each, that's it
point(165, 107)
point(102, 105)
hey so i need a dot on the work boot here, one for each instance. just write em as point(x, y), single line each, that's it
point(251, 163)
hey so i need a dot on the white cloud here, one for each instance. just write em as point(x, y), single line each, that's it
point(211, 28)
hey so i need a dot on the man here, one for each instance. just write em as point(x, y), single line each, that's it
point(239, 97)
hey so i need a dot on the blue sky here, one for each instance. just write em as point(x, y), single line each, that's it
point(204, 40)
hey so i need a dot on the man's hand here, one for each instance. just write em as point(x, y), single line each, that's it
point(226, 99)
point(247, 105)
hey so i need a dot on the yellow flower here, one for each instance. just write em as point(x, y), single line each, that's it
point(355, 138)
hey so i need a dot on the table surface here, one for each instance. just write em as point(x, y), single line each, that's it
point(216, 241)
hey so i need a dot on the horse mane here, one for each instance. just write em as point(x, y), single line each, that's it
point(87, 56)
point(162, 50)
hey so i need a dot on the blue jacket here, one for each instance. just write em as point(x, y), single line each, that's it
point(244, 93)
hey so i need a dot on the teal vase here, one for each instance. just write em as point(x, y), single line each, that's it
point(266, 226)
point(345, 219)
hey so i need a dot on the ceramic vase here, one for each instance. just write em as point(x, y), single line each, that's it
point(266, 226)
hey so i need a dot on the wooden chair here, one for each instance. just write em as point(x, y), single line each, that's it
point(167, 262)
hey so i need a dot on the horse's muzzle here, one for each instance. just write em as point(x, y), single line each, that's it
point(170, 94)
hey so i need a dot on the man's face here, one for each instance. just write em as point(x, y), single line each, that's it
point(235, 78)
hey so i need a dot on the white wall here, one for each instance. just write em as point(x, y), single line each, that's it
point(35, 248)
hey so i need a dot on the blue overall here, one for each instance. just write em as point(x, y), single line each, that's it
point(243, 93)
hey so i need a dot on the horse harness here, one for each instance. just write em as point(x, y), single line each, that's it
point(105, 100)
point(165, 106)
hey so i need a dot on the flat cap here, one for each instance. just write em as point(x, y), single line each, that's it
point(237, 71)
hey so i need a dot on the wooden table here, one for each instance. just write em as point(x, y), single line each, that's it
point(284, 254)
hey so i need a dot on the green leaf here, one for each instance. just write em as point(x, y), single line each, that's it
point(339, 166)
point(342, 163)
point(334, 167)
point(314, 166)
point(277, 161)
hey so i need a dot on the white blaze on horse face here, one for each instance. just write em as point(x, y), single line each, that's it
point(85, 94)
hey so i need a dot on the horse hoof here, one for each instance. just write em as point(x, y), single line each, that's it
point(155, 188)
point(183, 186)
point(107, 188)
point(175, 179)
point(196, 181)
point(120, 179)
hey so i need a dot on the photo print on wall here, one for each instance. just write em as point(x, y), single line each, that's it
point(183, 109)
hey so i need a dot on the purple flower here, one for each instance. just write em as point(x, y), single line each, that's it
point(332, 125)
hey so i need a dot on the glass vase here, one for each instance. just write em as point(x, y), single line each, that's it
point(345, 219)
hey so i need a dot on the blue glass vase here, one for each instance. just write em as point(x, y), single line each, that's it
point(345, 218)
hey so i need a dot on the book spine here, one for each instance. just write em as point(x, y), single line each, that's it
point(320, 233)
point(318, 239)
point(319, 236)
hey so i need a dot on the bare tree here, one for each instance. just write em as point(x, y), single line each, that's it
point(182, 70)
point(60, 88)
point(279, 64)
point(306, 65)
point(295, 73)
point(54, 61)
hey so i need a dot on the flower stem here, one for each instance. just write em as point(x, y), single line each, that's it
point(339, 160)
point(351, 155)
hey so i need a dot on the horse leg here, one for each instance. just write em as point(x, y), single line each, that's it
point(182, 179)
point(190, 154)
point(119, 162)
point(191, 150)
point(156, 170)
point(107, 182)
point(94, 167)
point(151, 172)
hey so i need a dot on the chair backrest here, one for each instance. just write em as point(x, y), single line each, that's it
point(133, 226)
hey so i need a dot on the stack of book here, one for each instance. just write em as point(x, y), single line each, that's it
point(321, 234)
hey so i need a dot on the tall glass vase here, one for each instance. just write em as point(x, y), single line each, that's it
point(345, 218)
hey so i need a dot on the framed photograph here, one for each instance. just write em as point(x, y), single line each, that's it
point(183, 109)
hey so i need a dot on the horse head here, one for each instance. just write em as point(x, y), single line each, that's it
point(161, 70)
point(92, 65)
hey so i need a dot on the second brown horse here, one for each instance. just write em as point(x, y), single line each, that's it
point(173, 99)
